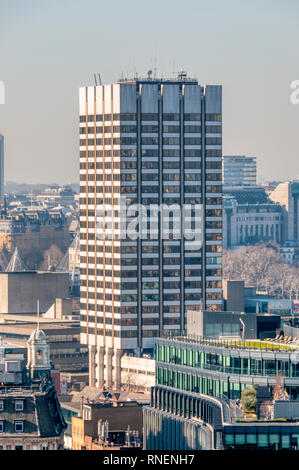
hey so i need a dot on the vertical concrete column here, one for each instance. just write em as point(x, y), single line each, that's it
point(91, 358)
point(109, 355)
point(100, 366)
point(117, 369)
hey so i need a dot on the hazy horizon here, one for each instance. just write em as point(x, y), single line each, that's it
point(49, 49)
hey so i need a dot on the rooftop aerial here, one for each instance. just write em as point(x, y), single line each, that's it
point(151, 78)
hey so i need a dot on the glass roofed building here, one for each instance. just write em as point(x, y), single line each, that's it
point(195, 403)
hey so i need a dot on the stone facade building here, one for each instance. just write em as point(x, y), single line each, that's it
point(250, 217)
point(33, 231)
point(30, 414)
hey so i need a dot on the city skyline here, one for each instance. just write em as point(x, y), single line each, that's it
point(250, 53)
point(149, 229)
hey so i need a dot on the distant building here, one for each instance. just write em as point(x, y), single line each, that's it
point(233, 295)
point(257, 302)
point(250, 217)
point(239, 170)
point(290, 251)
point(30, 414)
point(67, 354)
point(1, 167)
point(287, 195)
point(33, 231)
point(237, 297)
point(57, 195)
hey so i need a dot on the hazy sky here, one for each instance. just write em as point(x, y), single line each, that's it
point(48, 48)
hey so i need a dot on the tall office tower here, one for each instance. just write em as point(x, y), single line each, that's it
point(287, 195)
point(239, 170)
point(1, 167)
point(153, 142)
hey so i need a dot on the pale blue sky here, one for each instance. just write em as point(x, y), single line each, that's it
point(48, 48)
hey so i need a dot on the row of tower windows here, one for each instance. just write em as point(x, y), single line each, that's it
point(149, 117)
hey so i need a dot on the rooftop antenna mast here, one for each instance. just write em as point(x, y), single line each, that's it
point(96, 80)
point(173, 67)
point(134, 68)
point(155, 66)
point(38, 314)
point(31, 198)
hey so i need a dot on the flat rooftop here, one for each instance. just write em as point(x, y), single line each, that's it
point(182, 77)
point(256, 344)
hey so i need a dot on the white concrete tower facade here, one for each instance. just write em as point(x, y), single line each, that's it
point(154, 142)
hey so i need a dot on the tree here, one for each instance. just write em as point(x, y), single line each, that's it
point(279, 393)
point(264, 267)
point(32, 258)
point(130, 382)
point(51, 258)
point(249, 399)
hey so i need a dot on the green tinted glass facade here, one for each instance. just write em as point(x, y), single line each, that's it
point(267, 437)
point(195, 380)
point(221, 371)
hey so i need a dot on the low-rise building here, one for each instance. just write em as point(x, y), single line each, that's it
point(137, 373)
point(102, 420)
point(257, 302)
point(30, 414)
point(67, 354)
point(33, 230)
point(20, 290)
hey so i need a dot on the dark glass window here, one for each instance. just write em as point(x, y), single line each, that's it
point(192, 117)
point(171, 117)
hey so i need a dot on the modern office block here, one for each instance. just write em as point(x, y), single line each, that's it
point(148, 142)
point(239, 170)
point(217, 367)
point(180, 420)
point(199, 382)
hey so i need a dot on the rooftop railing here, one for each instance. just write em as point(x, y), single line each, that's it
point(244, 344)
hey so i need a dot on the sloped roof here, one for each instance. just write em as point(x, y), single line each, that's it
point(96, 395)
point(42, 414)
point(243, 195)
